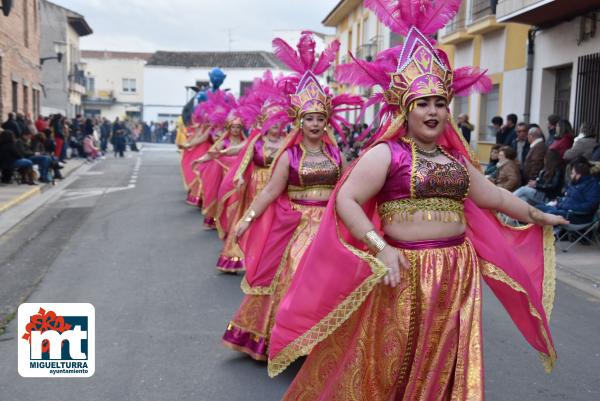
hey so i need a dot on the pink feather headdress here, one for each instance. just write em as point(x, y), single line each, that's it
point(416, 68)
point(309, 96)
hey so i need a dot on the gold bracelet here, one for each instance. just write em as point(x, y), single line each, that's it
point(374, 242)
point(250, 216)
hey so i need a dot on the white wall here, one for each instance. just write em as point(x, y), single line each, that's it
point(556, 47)
point(165, 92)
point(513, 92)
point(492, 51)
point(109, 73)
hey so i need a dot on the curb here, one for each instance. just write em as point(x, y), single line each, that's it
point(32, 192)
point(19, 199)
point(577, 280)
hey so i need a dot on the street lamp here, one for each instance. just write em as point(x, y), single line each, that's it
point(59, 48)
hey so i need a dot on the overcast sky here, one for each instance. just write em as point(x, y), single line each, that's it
point(195, 25)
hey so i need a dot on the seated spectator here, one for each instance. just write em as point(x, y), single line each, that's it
point(563, 139)
point(42, 161)
point(497, 123)
point(534, 160)
point(465, 127)
point(491, 168)
point(583, 145)
point(581, 198)
point(508, 174)
point(11, 159)
point(547, 185)
point(520, 143)
point(11, 125)
point(89, 149)
point(596, 154)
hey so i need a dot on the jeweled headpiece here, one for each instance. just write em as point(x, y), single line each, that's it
point(422, 71)
point(310, 98)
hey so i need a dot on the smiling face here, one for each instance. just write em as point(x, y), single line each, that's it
point(427, 119)
point(235, 129)
point(313, 125)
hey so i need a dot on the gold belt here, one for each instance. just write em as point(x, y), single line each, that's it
point(312, 192)
point(445, 210)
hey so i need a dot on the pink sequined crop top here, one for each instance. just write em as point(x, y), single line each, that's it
point(416, 184)
point(309, 178)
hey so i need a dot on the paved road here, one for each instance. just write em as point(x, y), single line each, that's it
point(121, 238)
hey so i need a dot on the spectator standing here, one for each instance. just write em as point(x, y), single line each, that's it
point(105, 129)
point(510, 128)
point(563, 138)
point(508, 174)
point(552, 122)
point(11, 125)
point(497, 123)
point(582, 146)
point(465, 127)
point(534, 160)
point(41, 123)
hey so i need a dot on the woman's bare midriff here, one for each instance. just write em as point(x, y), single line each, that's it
point(419, 229)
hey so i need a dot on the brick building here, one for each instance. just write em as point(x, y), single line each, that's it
point(20, 74)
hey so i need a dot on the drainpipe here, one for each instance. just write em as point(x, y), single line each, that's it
point(529, 77)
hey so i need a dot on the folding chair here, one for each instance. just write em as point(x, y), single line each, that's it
point(587, 231)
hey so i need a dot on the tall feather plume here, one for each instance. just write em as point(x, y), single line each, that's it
point(363, 73)
point(436, 14)
point(306, 48)
point(388, 13)
point(428, 16)
point(327, 57)
point(468, 80)
point(287, 55)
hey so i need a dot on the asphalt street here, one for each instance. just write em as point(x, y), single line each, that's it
point(120, 236)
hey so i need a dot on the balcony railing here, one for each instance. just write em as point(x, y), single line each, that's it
point(481, 9)
point(506, 7)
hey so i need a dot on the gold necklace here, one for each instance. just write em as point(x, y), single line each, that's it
point(317, 152)
point(429, 153)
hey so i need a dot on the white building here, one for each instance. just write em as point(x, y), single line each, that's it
point(168, 76)
point(564, 57)
point(114, 83)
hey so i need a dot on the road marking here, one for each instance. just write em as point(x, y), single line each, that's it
point(93, 173)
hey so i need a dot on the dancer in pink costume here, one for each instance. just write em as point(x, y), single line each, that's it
point(416, 213)
point(282, 221)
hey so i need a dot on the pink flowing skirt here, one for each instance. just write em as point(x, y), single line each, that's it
point(419, 341)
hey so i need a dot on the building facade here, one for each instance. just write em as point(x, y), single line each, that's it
point(20, 78)
point(114, 83)
point(359, 32)
point(64, 81)
point(169, 75)
point(475, 38)
point(564, 58)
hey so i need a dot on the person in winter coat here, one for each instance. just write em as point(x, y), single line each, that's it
point(508, 174)
point(582, 197)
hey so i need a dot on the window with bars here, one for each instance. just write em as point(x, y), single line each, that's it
point(562, 91)
point(490, 104)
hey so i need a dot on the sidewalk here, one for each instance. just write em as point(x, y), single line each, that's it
point(13, 194)
point(580, 268)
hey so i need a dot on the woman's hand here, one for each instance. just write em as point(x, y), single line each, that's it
point(546, 219)
point(241, 228)
point(394, 262)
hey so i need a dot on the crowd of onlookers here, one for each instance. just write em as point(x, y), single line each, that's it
point(36, 150)
point(557, 171)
